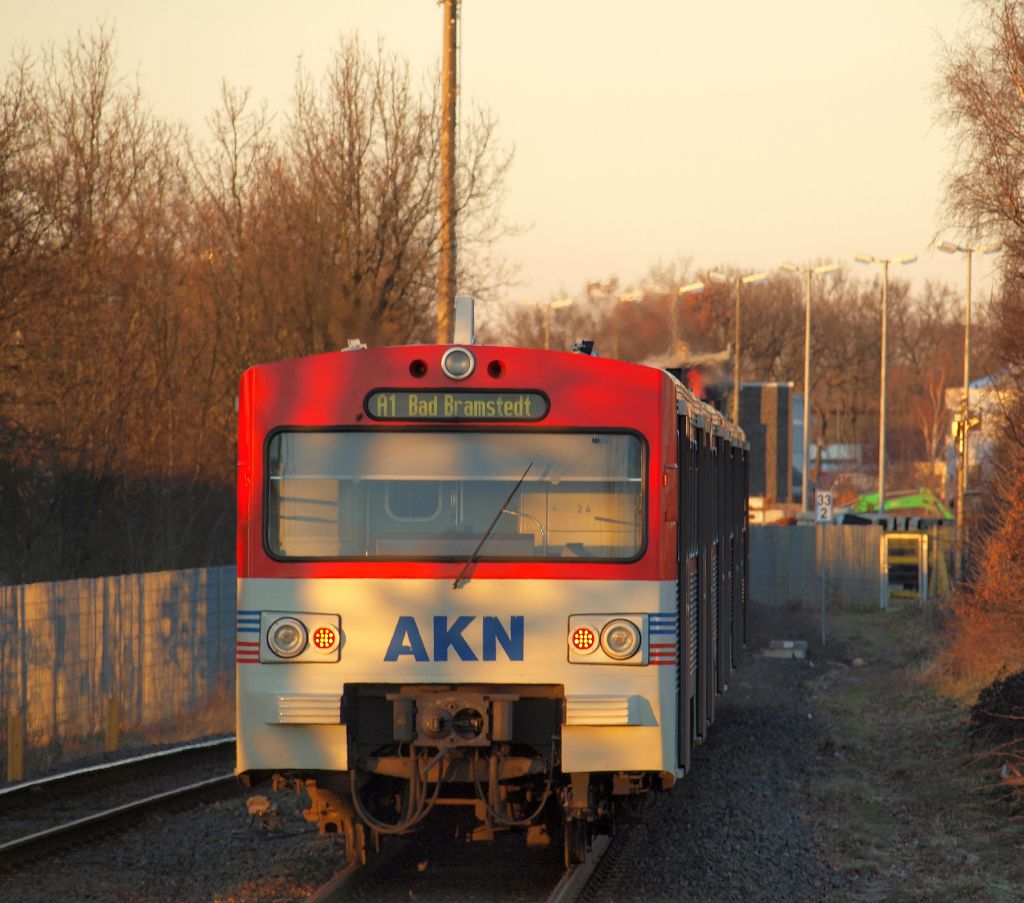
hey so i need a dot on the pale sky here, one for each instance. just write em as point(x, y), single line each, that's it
point(740, 133)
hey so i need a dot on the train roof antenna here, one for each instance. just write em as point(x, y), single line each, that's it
point(465, 333)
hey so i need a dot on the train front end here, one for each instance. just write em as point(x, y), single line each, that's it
point(458, 587)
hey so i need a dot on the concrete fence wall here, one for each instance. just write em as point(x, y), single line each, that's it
point(156, 650)
point(786, 565)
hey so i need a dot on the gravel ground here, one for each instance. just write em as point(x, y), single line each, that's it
point(735, 828)
point(214, 852)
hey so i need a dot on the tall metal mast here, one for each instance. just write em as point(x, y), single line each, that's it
point(449, 95)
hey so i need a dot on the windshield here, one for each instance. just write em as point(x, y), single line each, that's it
point(433, 495)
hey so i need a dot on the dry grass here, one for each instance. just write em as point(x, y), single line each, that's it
point(980, 646)
point(984, 640)
point(903, 811)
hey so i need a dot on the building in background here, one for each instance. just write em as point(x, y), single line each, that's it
point(990, 399)
point(766, 416)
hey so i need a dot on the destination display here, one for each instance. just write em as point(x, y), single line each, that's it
point(403, 404)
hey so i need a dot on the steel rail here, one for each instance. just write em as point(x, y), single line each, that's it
point(338, 888)
point(347, 881)
point(576, 877)
point(53, 779)
point(44, 837)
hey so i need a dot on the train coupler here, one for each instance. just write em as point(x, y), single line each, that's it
point(334, 814)
point(328, 809)
point(452, 719)
point(576, 795)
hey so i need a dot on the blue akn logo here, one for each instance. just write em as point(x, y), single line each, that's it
point(449, 639)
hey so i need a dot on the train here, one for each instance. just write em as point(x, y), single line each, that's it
point(482, 588)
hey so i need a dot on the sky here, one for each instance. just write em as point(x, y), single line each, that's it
point(739, 134)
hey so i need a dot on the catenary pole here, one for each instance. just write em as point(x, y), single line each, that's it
point(965, 424)
point(449, 95)
point(738, 281)
point(881, 403)
point(884, 261)
point(965, 421)
point(809, 273)
point(804, 463)
point(736, 360)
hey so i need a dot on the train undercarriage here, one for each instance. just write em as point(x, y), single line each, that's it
point(475, 760)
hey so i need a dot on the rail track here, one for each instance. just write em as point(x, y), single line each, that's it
point(475, 873)
point(572, 884)
point(47, 813)
point(63, 810)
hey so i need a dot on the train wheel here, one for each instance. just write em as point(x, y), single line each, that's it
point(575, 835)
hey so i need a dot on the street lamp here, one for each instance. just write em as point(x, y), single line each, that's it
point(633, 296)
point(548, 307)
point(822, 270)
point(637, 296)
point(722, 279)
point(964, 422)
point(885, 261)
point(691, 288)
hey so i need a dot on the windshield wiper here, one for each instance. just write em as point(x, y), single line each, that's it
point(487, 533)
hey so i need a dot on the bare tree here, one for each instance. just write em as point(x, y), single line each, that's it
point(981, 96)
point(363, 154)
point(981, 100)
point(93, 218)
point(141, 271)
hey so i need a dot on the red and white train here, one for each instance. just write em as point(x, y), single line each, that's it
point(502, 582)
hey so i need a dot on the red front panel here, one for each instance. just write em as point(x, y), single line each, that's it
point(329, 391)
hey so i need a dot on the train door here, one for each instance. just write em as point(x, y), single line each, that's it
point(732, 507)
point(739, 516)
point(696, 579)
point(719, 567)
point(728, 562)
point(685, 596)
point(694, 583)
point(708, 580)
point(745, 533)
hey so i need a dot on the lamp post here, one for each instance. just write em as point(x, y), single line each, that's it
point(633, 296)
point(722, 279)
point(822, 270)
point(691, 288)
point(885, 261)
point(447, 266)
point(964, 423)
point(548, 307)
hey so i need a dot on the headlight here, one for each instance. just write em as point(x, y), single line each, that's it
point(287, 637)
point(457, 363)
point(620, 639)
